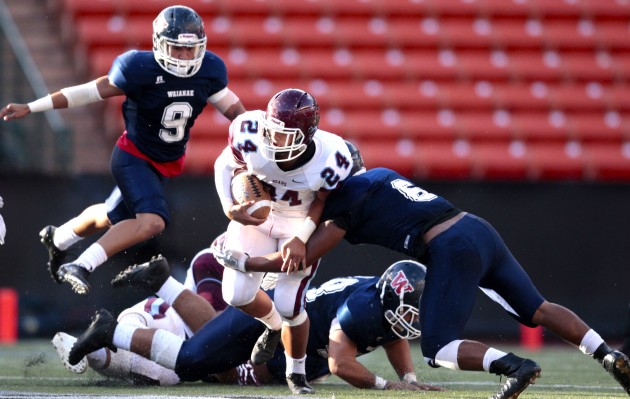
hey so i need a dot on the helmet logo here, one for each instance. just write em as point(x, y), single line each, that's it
point(187, 38)
point(400, 284)
point(160, 23)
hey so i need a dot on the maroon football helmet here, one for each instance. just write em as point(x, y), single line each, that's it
point(289, 125)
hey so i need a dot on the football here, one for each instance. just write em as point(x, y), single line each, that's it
point(247, 187)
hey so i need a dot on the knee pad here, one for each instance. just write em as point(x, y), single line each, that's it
point(296, 321)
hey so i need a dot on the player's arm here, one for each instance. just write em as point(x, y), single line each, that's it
point(399, 355)
point(294, 250)
point(325, 238)
point(69, 97)
point(224, 168)
point(227, 103)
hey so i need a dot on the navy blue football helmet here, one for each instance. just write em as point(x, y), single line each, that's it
point(179, 26)
point(401, 288)
point(358, 166)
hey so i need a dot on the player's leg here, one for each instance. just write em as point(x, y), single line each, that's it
point(137, 210)
point(242, 289)
point(521, 298)
point(58, 239)
point(457, 259)
point(290, 296)
point(155, 276)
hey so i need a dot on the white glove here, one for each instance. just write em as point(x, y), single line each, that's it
point(3, 230)
point(3, 227)
point(230, 258)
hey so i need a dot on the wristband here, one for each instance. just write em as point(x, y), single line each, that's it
point(379, 383)
point(41, 104)
point(409, 378)
point(307, 228)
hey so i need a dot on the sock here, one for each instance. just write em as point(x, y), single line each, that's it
point(92, 257)
point(273, 320)
point(295, 366)
point(65, 236)
point(170, 290)
point(590, 342)
point(490, 356)
point(122, 336)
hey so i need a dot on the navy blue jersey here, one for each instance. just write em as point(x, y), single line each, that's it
point(227, 340)
point(355, 303)
point(384, 208)
point(160, 108)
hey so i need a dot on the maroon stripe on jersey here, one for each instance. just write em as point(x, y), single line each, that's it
point(300, 297)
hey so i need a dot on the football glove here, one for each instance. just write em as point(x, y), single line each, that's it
point(230, 258)
point(3, 227)
point(3, 230)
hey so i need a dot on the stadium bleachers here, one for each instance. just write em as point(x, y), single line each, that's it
point(481, 89)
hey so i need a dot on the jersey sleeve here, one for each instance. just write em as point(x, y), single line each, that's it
point(337, 165)
point(122, 74)
point(361, 319)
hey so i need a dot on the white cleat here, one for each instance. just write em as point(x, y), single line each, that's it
point(63, 343)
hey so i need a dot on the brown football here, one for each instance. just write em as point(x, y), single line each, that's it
point(247, 187)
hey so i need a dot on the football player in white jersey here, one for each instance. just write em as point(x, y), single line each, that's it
point(178, 308)
point(299, 165)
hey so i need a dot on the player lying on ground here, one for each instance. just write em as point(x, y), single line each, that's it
point(462, 252)
point(352, 316)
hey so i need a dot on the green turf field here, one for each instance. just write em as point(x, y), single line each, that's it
point(32, 369)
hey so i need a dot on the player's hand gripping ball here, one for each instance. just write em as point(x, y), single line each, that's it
point(247, 187)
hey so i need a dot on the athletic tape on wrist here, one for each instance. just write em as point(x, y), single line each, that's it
point(307, 228)
point(379, 382)
point(41, 104)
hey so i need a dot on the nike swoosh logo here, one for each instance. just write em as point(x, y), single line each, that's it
point(295, 181)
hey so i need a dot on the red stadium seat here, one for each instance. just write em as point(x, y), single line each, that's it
point(555, 161)
point(500, 161)
point(443, 160)
point(397, 155)
point(540, 126)
point(482, 65)
point(588, 66)
point(201, 154)
point(599, 126)
point(606, 9)
point(484, 126)
point(536, 65)
point(607, 161)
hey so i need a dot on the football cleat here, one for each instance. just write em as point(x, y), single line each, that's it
point(76, 276)
point(298, 385)
point(99, 334)
point(520, 374)
point(618, 365)
point(150, 275)
point(265, 346)
point(55, 255)
point(63, 343)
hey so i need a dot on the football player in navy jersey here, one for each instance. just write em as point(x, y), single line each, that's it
point(166, 89)
point(462, 252)
point(351, 316)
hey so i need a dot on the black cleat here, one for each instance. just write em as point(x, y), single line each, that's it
point(76, 276)
point(520, 374)
point(150, 275)
point(298, 385)
point(618, 365)
point(265, 346)
point(99, 334)
point(55, 255)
